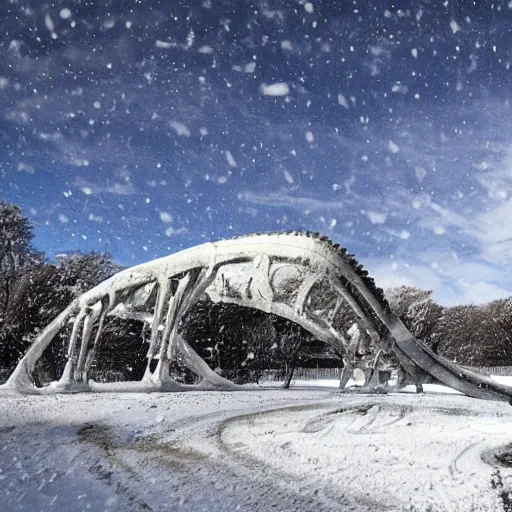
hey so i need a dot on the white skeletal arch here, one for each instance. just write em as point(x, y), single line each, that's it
point(276, 273)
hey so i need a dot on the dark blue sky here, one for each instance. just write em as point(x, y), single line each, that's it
point(142, 128)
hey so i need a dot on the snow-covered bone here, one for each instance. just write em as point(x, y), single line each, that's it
point(276, 273)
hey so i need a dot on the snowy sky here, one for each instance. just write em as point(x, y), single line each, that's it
point(142, 128)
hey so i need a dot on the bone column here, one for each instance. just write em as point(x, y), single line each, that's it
point(164, 287)
point(86, 334)
point(199, 280)
point(67, 375)
point(92, 353)
point(365, 323)
point(170, 324)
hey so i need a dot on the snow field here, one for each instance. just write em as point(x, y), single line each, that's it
point(256, 450)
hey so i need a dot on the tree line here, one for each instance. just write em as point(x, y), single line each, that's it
point(240, 343)
point(469, 335)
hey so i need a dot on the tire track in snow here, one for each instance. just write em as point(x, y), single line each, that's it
point(420, 416)
point(328, 498)
point(454, 468)
point(203, 476)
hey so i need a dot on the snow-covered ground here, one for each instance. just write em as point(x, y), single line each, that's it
point(255, 450)
point(334, 383)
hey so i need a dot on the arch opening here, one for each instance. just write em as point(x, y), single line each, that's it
point(241, 343)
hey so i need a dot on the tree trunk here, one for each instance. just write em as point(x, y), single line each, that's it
point(293, 358)
point(6, 294)
point(289, 376)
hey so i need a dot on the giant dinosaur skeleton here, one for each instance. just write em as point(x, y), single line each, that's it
point(302, 277)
